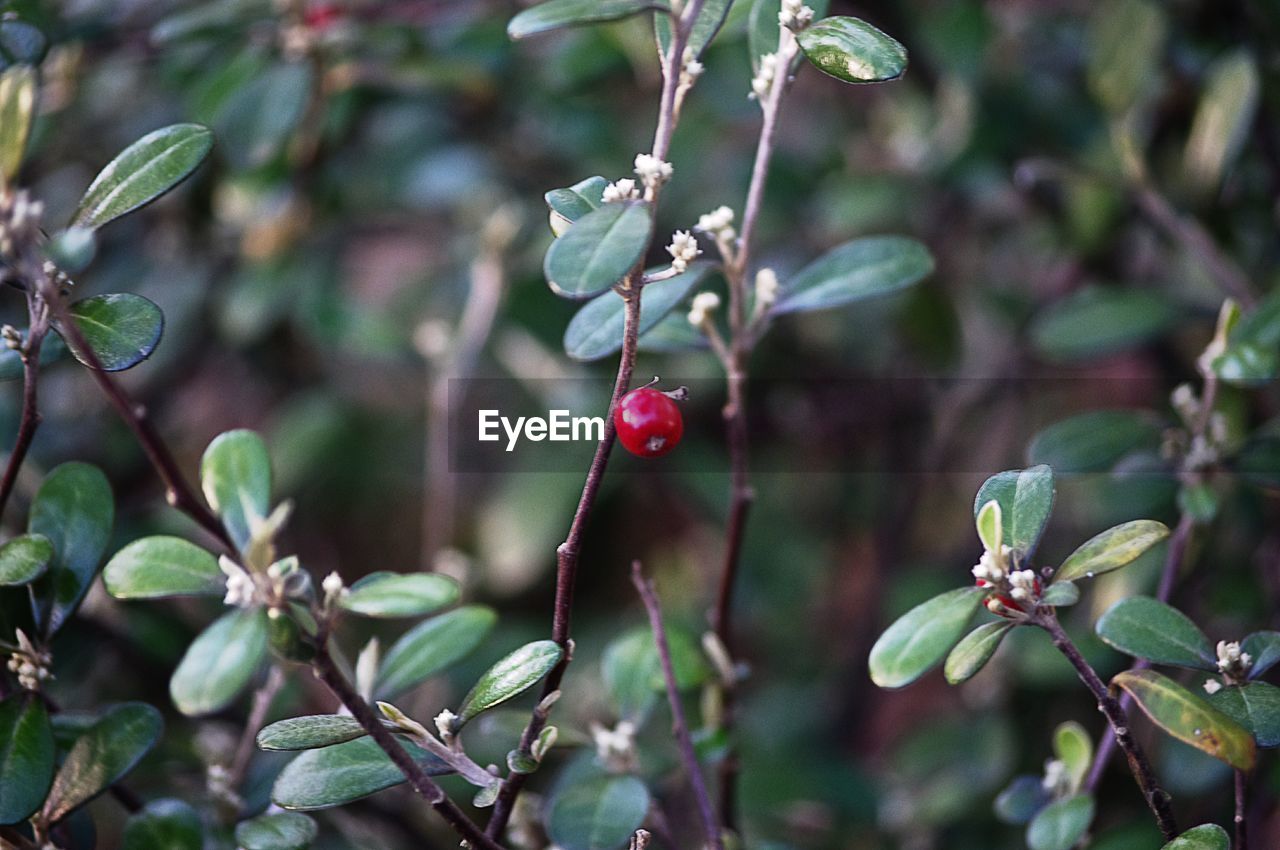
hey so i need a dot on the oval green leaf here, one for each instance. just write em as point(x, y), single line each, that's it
point(279, 831)
point(920, 638)
point(108, 750)
point(1095, 441)
point(510, 677)
point(235, 475)
point(1112, 549)
point(386, 594)
point(852, 50)
point(432, 646)
point(598, 250)
point(24, 559)
point(572, 203)
point(74, 509)
point(220, 662)
point(310, 732)
point(155, 567)
point(1189, 718)
point(1256, 707)
point(1061, 594)
point(1207, 836)
point(632, 671)
point(1098, 321)
point(1148, 628)
point(1021, 799)
point(557, 14)
point(863, 268)
point(337, 775)
point(598, 814)
point(1223, 118)
point(1061, 825)
point(1026, 500)
point(26, 756)
point(596, 330)
point(1074, 748)
point(17, 104)
point(164, 825)
point(121, 329)
point(142, 172)
point(974, 650)
point(1263, 649)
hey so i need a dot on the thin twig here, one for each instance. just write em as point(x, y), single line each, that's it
point(1241, 819)
point(38, 326)
point(262, 699)
point(679, 725)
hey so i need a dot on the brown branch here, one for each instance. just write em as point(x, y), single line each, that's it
point(37, 328)
point(679, 725)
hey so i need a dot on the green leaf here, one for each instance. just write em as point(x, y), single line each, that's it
point(920, 638)
point(386, 594)
point(510, 677)
point(24, 559)
point(596, 330)
point(280, 831)
point(1189, 718)
point(974, 650)
point(990, 523)
point(763, 30)
point(569, 205)
point(1126, 39)
point(121, 329)
point(164, 824)
point(1026, 500)
point(599, 249)
point(255, 123)
point(1112, 549)
point(162, 566)
point(863, 268)
point(852, 50)
point(1074, 748)
point(220, 662)
point(1252, 355)
point(26, 756)
point(555, 14)
point(235, 475)
point(1221, 126)
point(1021, 799)
point(17, 105)
point(672, 334)
point(1264, 649)
point(632, 670)
point(1148, 628)
point(310, 732)
point(11, 368)
point(1097, 321)
point(108, 750)
point(1096, 441)
point(1061, 825)
point(74, 509)
point(144, 171)
point(598, 814)
point(1061, 594)
point(710, 19)
point(432, 646)
point(337, 775)
point(1207, 836)
point(1255, 706)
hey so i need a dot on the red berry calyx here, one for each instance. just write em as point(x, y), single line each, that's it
point(648, 421)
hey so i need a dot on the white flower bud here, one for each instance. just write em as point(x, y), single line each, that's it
point(683, 250)
point(621, 190)
point(1212, 686)
point(333, 586)
point(766, 289)
point(795, 15)
point(653, 172)
point(763, 80)
point(704, 303)
point(718, 223)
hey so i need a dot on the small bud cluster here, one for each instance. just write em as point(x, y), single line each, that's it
point(334, 589)
point(683, 250)
point(616, 747)
point(690, 70)
point(795, 15)
point(19, 222)
point(1232, 661)
point(991, 566)
point(717, 224)
point(1198, 451)
point(282, 581)
point(653, 172)
point(621, 190)
point(12, 337)
point(762, 82)
point(218, 782)
point(1056, 780)
point(446, 724)
point(704, 304)
point(1012, 591)
point(30, 664)
point(766, 291)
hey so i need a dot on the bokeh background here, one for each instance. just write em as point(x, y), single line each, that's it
point(313, 277)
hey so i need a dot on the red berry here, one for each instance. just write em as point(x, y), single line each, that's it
point(321, 16)
point(648, 422)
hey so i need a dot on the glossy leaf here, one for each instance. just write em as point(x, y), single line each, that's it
point(863, 268)
point(164, 824)
point(142, 172)
point(974, 650)
point(1263, 649)
point(598, 250)
point(598, 814)
point(674, 333)
point(1223, 118)
point(1112, 549)
point(162, 566)
point(510, 677)
point(1061, 825)
point(1096, 441)
point(74, 509)
point(17, 105)
point(1074, 748)
point(235, 475)
point(24, 559)
point(596, 330)
point(572, 203)
point(105, 753)
point(1252, 353)
point(337, 775)
point(1021, 799)
point(763, 30)
point(1098, 321)
point(632, 671)
point(1207, 836)
point(310, 732)
point(220, 663)
point(556, 14)
point(1061, 594)
point(922, 637)
point(278, 831)
point(1188, 717)
point(1148, 628)
point(386, 594)
point(1256, 707)
point(852, 50)
point(121, 329)
point(432, 646)
point(1026, 500)
point(26, 756)
point(710, 19)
